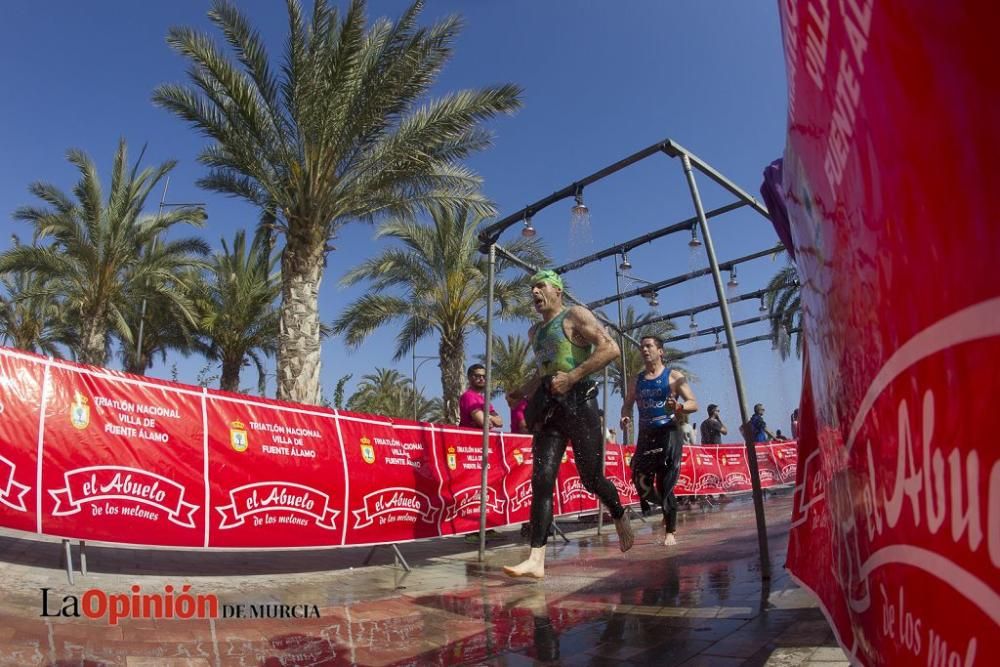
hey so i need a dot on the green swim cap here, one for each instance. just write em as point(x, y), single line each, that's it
point(547, 276)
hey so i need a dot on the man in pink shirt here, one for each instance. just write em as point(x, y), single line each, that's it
point(472, 403)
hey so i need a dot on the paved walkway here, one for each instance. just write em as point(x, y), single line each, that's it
point(698, 603)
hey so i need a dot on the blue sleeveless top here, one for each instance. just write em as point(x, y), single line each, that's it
point(651, 397)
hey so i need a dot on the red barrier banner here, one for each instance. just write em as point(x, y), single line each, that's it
point(518, 461)
point(141, 461)
point(460, 461)
point(122, 457)
point(272, 475)
point(21, 381)
point(888, 177)
point(392, 475)
point(570, 492)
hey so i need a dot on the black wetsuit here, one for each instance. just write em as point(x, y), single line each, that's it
point(657, 461)
point(556, 419)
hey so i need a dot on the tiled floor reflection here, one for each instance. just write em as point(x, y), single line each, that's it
point(699, 603)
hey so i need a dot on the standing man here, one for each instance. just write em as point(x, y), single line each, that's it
point(712, 429)
point(758, 427)
point(664, 398)
point(569, 344)
point(517, 405)
point(472, 404)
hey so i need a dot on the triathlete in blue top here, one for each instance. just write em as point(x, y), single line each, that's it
point(660, 394)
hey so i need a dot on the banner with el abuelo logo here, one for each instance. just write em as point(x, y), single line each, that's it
point(121, 457)
point(889, 179)
point(139, 461)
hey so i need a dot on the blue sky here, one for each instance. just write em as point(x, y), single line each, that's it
point(601, 81)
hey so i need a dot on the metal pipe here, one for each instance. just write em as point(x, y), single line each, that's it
point(489, 235)
point(734, 359)
point(626, 432)
point(674, 149)
point(604, 446)
point(739, 343)
point(683, 225)
point(490, 270)
point(708, 306)
point(683, 278)
point(716, 329)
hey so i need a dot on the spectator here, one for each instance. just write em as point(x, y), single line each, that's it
point(795, 424)
point(758, 427)
point(712, 429)
point(517, 405)
point(473, 402)
point(778, 437)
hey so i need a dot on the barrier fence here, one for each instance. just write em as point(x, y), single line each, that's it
point(92, 454)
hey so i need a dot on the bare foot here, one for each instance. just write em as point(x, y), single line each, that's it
point(669, 540)
point(533, 566)
point(527, 568)
point(625, 535)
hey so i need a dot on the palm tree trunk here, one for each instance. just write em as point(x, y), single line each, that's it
point(451, 350)
point(230, 380)
point(93, 336)
point(298, 338)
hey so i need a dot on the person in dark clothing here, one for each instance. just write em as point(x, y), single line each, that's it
point(664, 399)
point(712, 429)
point(569, 345)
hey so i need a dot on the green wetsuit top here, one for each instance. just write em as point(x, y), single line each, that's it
point(554, 351)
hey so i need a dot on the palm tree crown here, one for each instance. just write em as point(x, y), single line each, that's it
point(784, 305)
point(102, 258)
point(343, 132)
point(237, 317)
point(438, 277)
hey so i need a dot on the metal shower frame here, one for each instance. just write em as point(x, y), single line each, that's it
point(490, 235)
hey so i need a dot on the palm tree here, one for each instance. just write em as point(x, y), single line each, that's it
point(102, 257)
point(513, 363)
point(29, 320)
point(165, 329)
point(237, 317)
point(633, 325)
point(344, 132)
point(440, 279)
point(784, 305)
point(387, 392)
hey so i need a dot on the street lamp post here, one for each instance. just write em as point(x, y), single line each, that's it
point(142, 309)
point(424, 359)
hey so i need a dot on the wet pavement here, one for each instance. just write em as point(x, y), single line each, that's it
point(697, 603)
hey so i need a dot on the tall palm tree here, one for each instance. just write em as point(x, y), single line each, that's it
point(29, 320)
point(238, 320)
point(438, 277)
point(164, 329)
point(345, 131)
point(784, 305)
point(513, 363)
point(387, 392)
point(633, 325)
point(101, 257)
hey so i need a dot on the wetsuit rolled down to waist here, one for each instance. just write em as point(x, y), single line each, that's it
point(659, 446)
point(554, 420)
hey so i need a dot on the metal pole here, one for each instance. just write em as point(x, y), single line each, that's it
point(142, 309)
point(490, 269)
point(413, 356)
point(734, 359)
point(621, 349)
point(604, 446)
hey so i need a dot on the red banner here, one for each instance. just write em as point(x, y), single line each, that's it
point(888, 177)
point(140, 461)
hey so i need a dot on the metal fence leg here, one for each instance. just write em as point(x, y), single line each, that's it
point(67, 550)
point(555, 527)
point(399, 558)
point(83, 558)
